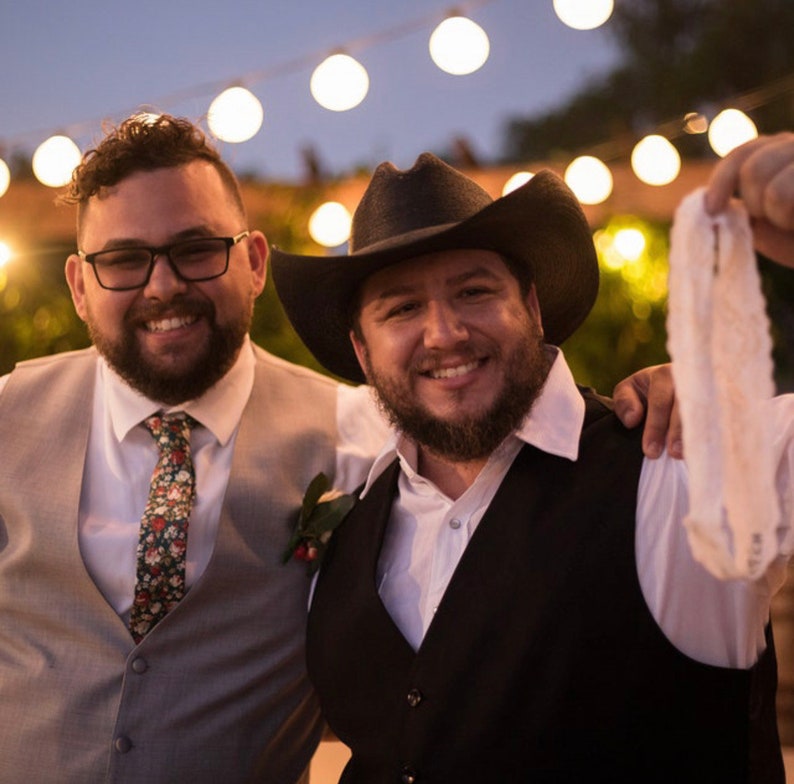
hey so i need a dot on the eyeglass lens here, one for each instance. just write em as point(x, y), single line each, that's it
point(194, 260)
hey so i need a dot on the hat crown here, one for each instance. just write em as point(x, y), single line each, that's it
point(398, 203)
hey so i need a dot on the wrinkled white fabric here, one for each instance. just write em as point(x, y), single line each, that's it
point(718, 339)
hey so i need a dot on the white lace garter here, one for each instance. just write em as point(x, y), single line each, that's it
point(718, 339)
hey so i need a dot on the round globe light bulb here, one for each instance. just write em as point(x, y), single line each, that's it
point(329, 224)
point(5, 177)
point(459, 46)
point(729, 129)
point(54, 161)
point(516, 181)
point(629, 243)
point(5, 254)
point(695, 122)
point(655, 161)
point(589, 178)
point(339, 83)
point(583, 14)
point(235, 115)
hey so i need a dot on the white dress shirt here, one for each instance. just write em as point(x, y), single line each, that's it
point(712, 621)
point(122, 455)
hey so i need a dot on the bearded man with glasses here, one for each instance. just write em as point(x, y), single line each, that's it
point(211, 684)
point(165, 278)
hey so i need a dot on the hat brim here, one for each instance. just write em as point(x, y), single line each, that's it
point(540, 224)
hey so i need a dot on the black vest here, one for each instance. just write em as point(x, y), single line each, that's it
point(543, 662)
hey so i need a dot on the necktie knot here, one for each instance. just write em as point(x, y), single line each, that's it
point(170, 430)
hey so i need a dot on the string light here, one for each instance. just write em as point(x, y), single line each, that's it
point(695, 122)
point(339, 83)
point(235, 115)
point(729, 129)
point(459, 46)
point(329, 224)
point(629, 244)
point(516, 181)
point(55, 160)
point(655, 161)
point(5, 177)
point(583, 14)
point(589, 178)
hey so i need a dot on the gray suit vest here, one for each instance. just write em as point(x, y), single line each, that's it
point(218, 691)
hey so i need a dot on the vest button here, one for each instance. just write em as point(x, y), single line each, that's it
point(414, 697)
point(123, 744)
point(407, 775)
point(139, 666)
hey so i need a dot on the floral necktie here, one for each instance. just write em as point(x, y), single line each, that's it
point(162, 542)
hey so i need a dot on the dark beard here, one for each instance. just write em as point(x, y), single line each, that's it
point(478, 435)
point(126, 359)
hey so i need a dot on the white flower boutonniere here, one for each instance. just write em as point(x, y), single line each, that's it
point(322, 510)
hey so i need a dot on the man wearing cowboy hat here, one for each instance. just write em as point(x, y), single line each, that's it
point(512, 598)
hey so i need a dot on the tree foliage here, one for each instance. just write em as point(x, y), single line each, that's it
point(677, 56)
point(36, 312)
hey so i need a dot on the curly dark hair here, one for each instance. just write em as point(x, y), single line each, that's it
point(145, 142)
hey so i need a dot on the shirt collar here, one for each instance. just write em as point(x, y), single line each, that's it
point(219, 409)
point(553, 425)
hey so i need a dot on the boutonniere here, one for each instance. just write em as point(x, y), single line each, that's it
point(321, 512)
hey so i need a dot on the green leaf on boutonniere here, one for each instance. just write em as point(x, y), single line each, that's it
point(314, 491)
point(322, 510)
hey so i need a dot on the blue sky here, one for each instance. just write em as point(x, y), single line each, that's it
point(66, 66)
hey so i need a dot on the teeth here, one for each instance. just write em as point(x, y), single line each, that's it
point(164, 325)
point(453, 372)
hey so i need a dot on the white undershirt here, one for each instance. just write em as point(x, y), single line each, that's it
point(716, 622)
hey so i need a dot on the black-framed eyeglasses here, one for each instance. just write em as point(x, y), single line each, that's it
point(123, 269)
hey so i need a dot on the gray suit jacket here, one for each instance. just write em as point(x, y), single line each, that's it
point(218, 691)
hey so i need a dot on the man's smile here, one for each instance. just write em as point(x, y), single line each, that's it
point(168, 324)
point(454, 372)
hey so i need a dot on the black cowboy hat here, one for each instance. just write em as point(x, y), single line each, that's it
point(433, 207)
